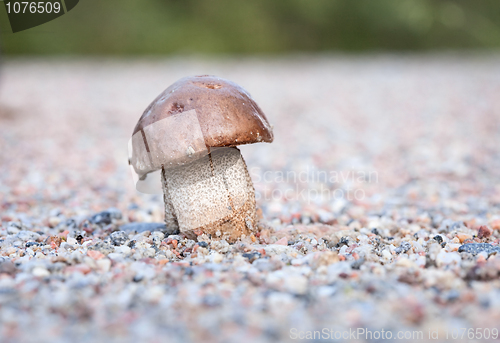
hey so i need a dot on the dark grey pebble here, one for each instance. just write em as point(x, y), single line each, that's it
point(203, 244)
point(79, 239)
point(343, 241)
point(358, 263)
point(101, 218)
point(106, 217)
point(404, 247)
point(476, 248)
point(438, 239)
point(118, 238)
point(138, 278)
point(141, 227)
point(252, 256)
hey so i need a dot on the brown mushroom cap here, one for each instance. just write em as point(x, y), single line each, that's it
point(227, 114)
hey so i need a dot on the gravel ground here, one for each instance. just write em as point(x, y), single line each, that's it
point(379, 203)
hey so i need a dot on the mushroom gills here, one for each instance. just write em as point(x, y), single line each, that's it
point(213, 194)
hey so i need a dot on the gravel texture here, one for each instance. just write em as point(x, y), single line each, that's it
point(379, 203)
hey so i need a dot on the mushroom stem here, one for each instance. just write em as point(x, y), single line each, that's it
point(170, 218)
point(213, 194)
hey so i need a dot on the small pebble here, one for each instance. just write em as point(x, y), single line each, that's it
point(106, 217)
point(40, 272)
point(475, 248)
point(438, 239)
point(404, 247)
point(118, 238)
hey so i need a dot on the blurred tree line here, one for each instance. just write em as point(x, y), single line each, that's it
point(129, 27)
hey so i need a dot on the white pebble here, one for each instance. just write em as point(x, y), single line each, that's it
point(40, 272)
point(104, 264)
point(448, 258)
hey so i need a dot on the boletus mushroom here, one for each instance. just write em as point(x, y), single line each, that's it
point(189, 135)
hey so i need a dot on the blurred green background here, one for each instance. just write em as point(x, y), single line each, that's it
point(132, 27)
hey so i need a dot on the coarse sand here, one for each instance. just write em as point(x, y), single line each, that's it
point(379, 204)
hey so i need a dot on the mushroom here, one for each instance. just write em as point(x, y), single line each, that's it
point(189, 135)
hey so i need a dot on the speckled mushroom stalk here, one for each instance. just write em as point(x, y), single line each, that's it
point(190, 133)
point(212, 195)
